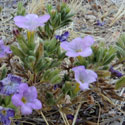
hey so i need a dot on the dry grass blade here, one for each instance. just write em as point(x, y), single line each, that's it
point(75, 118)
point(120, 13)
point(99, 113)
point(63, 115)
point(36, 6)
point(75, 5)
point(107, 99)
point(44, 118)
point(116, 19)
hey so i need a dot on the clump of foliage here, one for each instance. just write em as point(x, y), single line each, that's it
point(61, 74)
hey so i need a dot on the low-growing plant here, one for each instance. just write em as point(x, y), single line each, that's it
point(61, 74)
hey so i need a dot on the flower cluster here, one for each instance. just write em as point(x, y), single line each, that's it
point(4, 50)
point(23, 96)
point(5, 115)
point(81, 47)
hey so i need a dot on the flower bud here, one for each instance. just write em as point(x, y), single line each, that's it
point(16, 32)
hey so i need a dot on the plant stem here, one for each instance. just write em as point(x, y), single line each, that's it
point(63, 116)
point(75, 118)
point(99, 113)
point(44, 118)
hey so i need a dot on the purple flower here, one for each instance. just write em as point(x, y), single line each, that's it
point(55, 87)
point(99, 23)
point(9, 85)
point(84, 76)
point(63, 37)
point(115, 72)
point(5, 114)
point(4, 50)
point(26, 99)
point(78, 47)
point(31, 21)
point(69, 116)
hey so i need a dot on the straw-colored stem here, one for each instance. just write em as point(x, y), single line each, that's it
point(99, 113)
point(75, 118)
point(44, 118)
point(63, 115)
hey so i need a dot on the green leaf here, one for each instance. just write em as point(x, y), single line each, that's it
point(62, 56)
point(50, 99)
point(56, 79)
point(109, 59)
point(67, 87)
point(52, 76)
point(12, 106)
point(17, 52)
point(31, 59)
point(4, 72)
point(100, 54)
point(22, 44)
point(120, 83)
point(46, 75)
point(103, 73)
point(121, 51)
point(54, 63)
point(71, 89)
point(0, 100)
point(7, 100)
point(39, 52)
point(49, 8)
point(120, 47)
point(20, 9)
point(54, 73)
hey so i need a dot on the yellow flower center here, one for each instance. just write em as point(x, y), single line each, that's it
point(4, 112)
point(30, 34)
point(82, 81)
point(79, 50)
point(24, 100)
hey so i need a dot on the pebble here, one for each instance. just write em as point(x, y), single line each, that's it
point(91, 18)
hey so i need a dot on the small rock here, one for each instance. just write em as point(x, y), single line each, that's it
point(91, 18)
point(3, 38)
